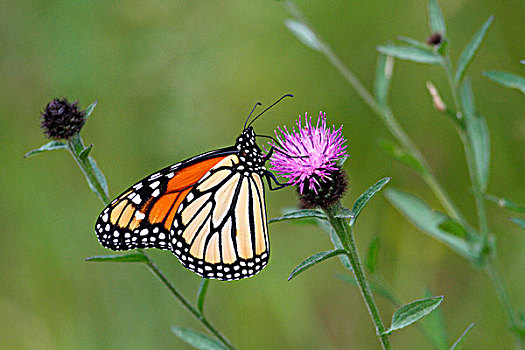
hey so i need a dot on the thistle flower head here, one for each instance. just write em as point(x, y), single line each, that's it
point(308, 155)
point(61, 120)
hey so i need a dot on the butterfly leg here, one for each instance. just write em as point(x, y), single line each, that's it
point(269, 178)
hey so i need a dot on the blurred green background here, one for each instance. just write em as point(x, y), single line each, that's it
point(177, 78)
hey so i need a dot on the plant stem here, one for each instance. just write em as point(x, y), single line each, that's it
point(346, 236)
point(75, 147)
point(385, 114)
point(200, 317)
point(479, 200)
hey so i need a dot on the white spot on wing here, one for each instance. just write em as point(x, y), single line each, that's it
point(136, 199)
point(155, 184)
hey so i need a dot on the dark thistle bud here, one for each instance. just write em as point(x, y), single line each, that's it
point(330, 190)
point(435, 39)
point(61, 120)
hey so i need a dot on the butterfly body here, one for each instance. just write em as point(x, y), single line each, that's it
point(208, 210)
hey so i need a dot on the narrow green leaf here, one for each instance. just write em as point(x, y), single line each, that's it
point(477, 134)
point(99, 175)
point(197, 340)
point(344, 213)
point(300, 214)
point(50, 146)
point(428, 220)
point(314, 260)
point(400, 154)
point(504, 203)
point(410, 53)
point(336, 242)
point(415, 43)
point(371, 256)
point(453, 227)
point(436, 19)
point(459, 343)
point(85, 153)
point(374, 287)
point(470, 50)
point(410, 313)
point(201, 294)
point(507, 79)
point(435, 327)
point(90, 109)
point(519, 222)
point(467, 99)
point(365, 197)
point(130, 257)
point(384, 68)
point(304, 34)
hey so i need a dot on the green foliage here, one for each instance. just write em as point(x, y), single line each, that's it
point(519, 222)
point(314, 260)
point(299, 214)
point(201, 294)
point(505, 203)
point(85, 153)
point(428, 220)
point(196, 339)
point(436, 19)
point(414, 43)
point(470, 50)
point(459, 343)
point(90, 109)
point(435, 327)
point(338, 246)
point(510, 80)
point(123, 258)
point(478, 136)
point(365, 197)
point(50, 146)
point(410, 53)
point(410, 313)
point(384, 69)
point(399, 154)
point(304, 34)
point(453, 227)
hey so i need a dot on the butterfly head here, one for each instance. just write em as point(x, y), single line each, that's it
point(249, 151)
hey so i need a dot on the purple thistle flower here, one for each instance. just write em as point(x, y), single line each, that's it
point(308, 156)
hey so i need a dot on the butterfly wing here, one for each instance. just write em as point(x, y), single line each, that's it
point(208, 210)
point(220, 228)
point(143, 215)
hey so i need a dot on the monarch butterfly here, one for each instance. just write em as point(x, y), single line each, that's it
point(209, 210)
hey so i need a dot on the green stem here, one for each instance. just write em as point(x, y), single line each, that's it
point(479, 200)
point(199, 316)
point(75, 147)
point(499, 286)
point(346, 236)
point(385, 114)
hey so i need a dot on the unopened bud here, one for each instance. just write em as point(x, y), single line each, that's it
point(436, 99)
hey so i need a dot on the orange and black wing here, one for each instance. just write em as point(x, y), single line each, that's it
point(209, 211)
point(142, 216)
point(219, 229)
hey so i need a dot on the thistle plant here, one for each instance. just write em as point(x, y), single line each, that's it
point(62, 122)
point(311, 157)
point(475, 243)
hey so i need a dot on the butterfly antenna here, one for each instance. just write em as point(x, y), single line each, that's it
point(249, 115)
point(273, 104)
